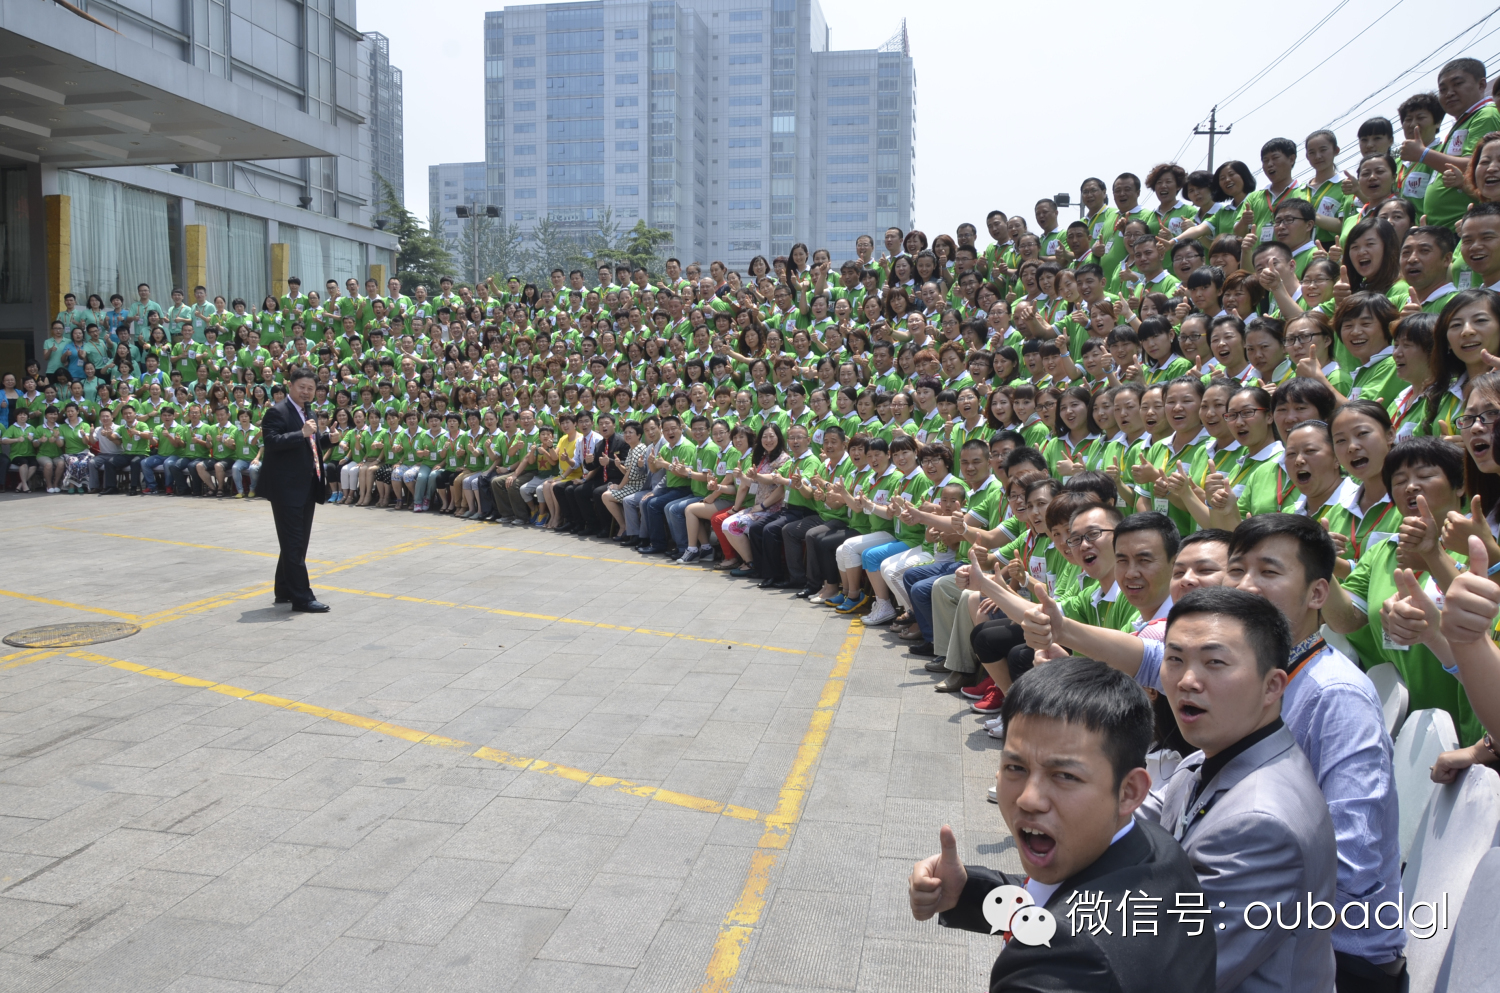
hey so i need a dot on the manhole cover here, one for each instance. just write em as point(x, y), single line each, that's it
point(71, 635)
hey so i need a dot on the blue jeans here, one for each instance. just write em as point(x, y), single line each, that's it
point(871, 558)
point(149, 465)
point(918, 581)
point(178, 468)
point(241, 469)
point(677, 519)
point(654, 509)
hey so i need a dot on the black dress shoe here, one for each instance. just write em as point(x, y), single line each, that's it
point(782, 584)
point(311, 607)
point(936, 665)
point(766, 584)
point(924, 650)
point(803, 594)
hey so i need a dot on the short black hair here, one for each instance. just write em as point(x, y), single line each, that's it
point(1096, 483)
point(1152, 520)
point(1266, 629)
point(1025, 455)
point(1102, 699)
point(1203, 535)
point(1425, 450)
point(1315, 549)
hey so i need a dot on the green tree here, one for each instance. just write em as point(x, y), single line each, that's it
point(552, 247)
point(421, 256)
point(640, 246)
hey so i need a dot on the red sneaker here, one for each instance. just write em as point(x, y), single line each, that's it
point(991, 702)
point(979, 689)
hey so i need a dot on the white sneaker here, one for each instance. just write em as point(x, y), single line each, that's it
point(992, 796)
point(883, 613)
point(689, 556)
point(995, 728)
point(993, 722)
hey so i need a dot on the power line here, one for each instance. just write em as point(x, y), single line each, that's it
point(1243, 87)
point(1320, 65)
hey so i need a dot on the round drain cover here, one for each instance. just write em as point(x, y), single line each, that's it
point(71, 635)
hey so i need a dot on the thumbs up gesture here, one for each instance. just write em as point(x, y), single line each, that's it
point(1472, 601)
point(1341, 289)
point(1419, 537)
point(937, 881)
point(1410, 614)
point(1042, 623)
point(1350, 185)
point(1340, 540)
point(1459, 528)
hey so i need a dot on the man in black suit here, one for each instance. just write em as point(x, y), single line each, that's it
point(1108, 902)
point(291, 478)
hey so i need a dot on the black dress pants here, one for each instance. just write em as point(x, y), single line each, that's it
point(293, 531)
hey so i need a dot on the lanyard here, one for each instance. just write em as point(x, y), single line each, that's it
point(1302, 660)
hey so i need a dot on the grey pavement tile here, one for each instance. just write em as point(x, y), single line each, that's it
point(19, 917)
point(348, 817)
point(256, 884)
point(207, 984)
point(445, 802)
point(646, 757)
point(856, 749)
point(487, 951)
point(713, 780)
point(890, 912)
point(83, 824)
point(676, 960)
point(503, 830)
point(910, 827)
point(74, 877)
point(288, 936)
point(231, 839)
point(852, 797)
point(385, 856)
point(555, 871)
point(662, 843)
point(869, 713)
point(926, 775)
point(542, 976)
point(354, 965)
point(887, 963)
point(811, 939)
point(831, 856)
point(159, 953)
point(314, 786)
point(435, 896)
point(917, 732)
point(614, 922)
point(684, 718)
point(712, 888)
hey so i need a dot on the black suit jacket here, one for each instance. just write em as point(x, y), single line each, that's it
point(287, 472)
point(1147, 859)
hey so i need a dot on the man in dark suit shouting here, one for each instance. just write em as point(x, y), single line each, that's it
point(291, 478)
point(1109, 902)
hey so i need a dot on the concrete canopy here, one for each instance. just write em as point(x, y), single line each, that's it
point(74, 94)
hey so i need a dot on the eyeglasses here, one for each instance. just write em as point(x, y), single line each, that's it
point(1484, 417)
point(1302, 339)
point(1248, 414)
point(1092, 536)
point(1199, 336)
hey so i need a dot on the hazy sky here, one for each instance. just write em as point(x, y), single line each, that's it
point(1012, 105)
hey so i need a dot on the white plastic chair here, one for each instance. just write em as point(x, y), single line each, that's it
point(1458, 828)
point(1471, 963)
point(1424, 736)
point(1391, 689)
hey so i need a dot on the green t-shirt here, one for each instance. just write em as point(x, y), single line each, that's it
point(1377, 380)
point(705, 459)
point(915, 488)
point(1443, 206)
point(1100, 608)
point(22, 447)
point(1370, 584)
point(685, 452)
point(809, 465)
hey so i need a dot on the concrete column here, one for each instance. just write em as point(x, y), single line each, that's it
point(280, 266)
point(377, 273)
point(195, 256)
point(58, 224)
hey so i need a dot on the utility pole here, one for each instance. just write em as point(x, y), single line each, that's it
point(473, 212)
point(1212, 131)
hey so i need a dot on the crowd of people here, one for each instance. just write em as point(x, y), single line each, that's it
point(1062, 437)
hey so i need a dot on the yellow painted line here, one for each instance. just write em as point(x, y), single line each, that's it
point(24, 657)
point(521, 762)
point(181, 544)
point(205, 604)
point(70, 606)
point(739, 924)
point(624, 628)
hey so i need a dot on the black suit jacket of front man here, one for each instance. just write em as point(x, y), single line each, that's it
point(1171, 961)
point(287, 473)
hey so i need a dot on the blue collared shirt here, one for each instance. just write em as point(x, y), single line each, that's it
point(1334, 713)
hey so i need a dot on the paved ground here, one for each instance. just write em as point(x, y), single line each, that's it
point(505, 761)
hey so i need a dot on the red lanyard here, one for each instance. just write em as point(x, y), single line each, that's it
point(1281, 478)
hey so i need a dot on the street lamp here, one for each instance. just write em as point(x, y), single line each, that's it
point(472, 212)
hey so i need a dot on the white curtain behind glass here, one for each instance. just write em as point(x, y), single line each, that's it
point(248, 276)
point(120, 238)
point(317, 258)
point(216, 278)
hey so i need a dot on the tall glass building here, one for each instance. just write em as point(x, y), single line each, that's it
point(729, 123)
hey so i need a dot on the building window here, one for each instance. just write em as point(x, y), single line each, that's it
point(523, 149)
point(621, 34)
point(746, 163)
point(524, 128)
point(745, 15)
point(744, 122)
point(523, 39)
point(627, 123)
point(529, 62)
point(744, 205)
point(849, 177)
point(849, 81)
point(627, 78)
point(862, 101)
point(849, 139)
point(844, 218)
point(523, 106)
point(848, 198)
point(627, 191)
point(625, 167)
point(746, 80)
point(744, 184)
point(744, 142)
point(527, 194)
point(627, 101)
point(746, 39)
point(521, 172)
point(848, 159)
point(627, 56)
point(745, 101)
point(744, 246)
point(627, 146)
point(523, 84)
point(745, 60)
point(854, 119)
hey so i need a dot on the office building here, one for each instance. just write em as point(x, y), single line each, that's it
point(450, 185)
point(729, 123)
point(388, 159)
point(222, 143)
